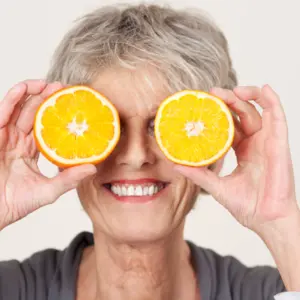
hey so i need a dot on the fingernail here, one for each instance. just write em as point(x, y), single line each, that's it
point(18, 87)
point(91, 169)
point(241, 88)
point(179, 168)
point(217, 89)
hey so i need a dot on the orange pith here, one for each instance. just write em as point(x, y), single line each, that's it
point(76, 125)
point(194, 128)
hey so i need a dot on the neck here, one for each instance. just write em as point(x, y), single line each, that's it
point(159, 270)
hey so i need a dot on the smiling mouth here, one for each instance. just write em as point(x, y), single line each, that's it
point(127, 189)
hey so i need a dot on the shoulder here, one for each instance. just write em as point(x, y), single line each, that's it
point(228, 278)
point(44, 274)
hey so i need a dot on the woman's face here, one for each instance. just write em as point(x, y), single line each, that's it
point(136, 195)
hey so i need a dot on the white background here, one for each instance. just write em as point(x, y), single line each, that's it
point(265, 45)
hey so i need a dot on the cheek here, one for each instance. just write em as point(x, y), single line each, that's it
point(86, 192)
point(185, 190)
point(89, 194)
point(192, 194)
point(106, 168)
point(153, 145)
point(192, 189)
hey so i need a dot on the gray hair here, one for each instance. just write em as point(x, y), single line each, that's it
point(186, 47)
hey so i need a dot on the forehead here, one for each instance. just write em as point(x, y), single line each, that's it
point(134, 92)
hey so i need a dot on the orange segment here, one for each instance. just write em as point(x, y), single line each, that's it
point(76, 125)
point(194, 128)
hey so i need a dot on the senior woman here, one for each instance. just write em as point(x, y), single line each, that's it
point(137, 55)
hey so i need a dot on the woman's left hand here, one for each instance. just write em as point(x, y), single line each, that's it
point(261, 190)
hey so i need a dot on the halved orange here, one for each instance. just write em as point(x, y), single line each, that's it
point(76, 125)
point(194, 128)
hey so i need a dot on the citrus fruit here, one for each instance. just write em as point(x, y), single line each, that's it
point(76, 125)
point(194, 128)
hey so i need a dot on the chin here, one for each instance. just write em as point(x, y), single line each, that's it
point(137, 233)
point(139, 223)
point(137, 211)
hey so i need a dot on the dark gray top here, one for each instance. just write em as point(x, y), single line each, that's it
point(52, 274)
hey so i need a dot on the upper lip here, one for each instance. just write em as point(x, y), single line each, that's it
point(135, 181)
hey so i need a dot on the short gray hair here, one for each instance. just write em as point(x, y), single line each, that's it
point(186, 47)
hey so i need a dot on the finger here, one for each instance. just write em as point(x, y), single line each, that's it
point(16, 113)
point(250, 119)
point(26, 118)
point(238, 133)
point(16, 96)
point(68, 180)
point(265, 97)
point(20, 105)
point(203, 177)
point(7, 105)
point(34, 151)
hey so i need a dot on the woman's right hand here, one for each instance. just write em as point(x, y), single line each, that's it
point(23, 189)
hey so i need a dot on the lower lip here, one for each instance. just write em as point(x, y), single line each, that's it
point(136, 199)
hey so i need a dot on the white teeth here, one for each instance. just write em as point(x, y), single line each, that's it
point(151, 190)
point(145, 190)
point(119, 190)
point(123, 191)
point(114, 189)
point(139, 191)
point(130, 191)
point(136, 190)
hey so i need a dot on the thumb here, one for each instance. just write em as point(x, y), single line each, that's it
point(69, 179)
point(203, 177)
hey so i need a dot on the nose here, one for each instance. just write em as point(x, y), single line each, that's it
point(134, 150)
